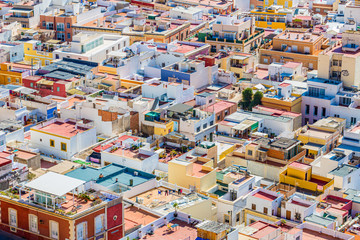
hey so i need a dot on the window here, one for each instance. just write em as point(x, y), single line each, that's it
point(9, 79)
point(323, 112)
point(205, 126)
point(58, 89)
point(44, 24)
point(99, 224)
point(353, 120)
point(54, 230)
point(306, 120)
point(68, 25)
point(52, 143)
point(68, 35)
point(198, 129)
point(31, 84)
point(306, 50)
point(47, 62)
point(226, 218)
point(81, 231)
point(63, 146)
point(238, 217)
point(315, 110)
point(250, 152)
point(336, 115)
point(346, 101)
point(307, 109)
point(266, 60)
point(211, 123)
point(316, 92)
point(265, 210)
point(253, 206)
point(33, 223)
point(13, 217)
point(335, 63)
point(349, 179)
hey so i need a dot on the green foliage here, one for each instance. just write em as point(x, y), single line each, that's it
point(249, 100)
point(257, 99)
point(247, 95)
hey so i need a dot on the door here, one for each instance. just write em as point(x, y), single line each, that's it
point(288, 215)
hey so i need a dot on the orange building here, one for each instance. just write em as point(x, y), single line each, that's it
point(294, 47)
point(61, 23)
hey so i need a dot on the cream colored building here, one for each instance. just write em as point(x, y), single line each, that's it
point(342, 62)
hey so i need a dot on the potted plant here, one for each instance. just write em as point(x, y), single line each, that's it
point(175, 206)
point(282, 222)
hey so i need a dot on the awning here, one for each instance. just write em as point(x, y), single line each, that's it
point(55, 184)
point(20, 10)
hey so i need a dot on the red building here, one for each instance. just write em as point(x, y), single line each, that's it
point(47, 87)
point(59, 22)
point(55, 206)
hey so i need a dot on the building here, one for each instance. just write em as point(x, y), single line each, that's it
point(221, 109)
point(54, 211)
point(194, 172)
point(297, 209)
point(195, 124)
point(13, 73)
point(265, 201)
point(274, 17)
point(92, 48)
point(340, 63)
point(283, 99)
point(14, 50)
point(241, 64)
point(294, 47)
point(190, 13)
point(37, 52)
point(265, 158)
point(128, 151)
point(231, 34)
point(300, 175)
point(345, 176)
point(283, 3)
point(326, 98)
point(62, 138)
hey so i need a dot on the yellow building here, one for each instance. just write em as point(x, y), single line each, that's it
point(13, 73)
point(283, 3)
point(273, 17)
point(238, 63)
point(283, 99)
point(321, 137)
point(154, 124)
point(194, 172)
point(300, 175)
point(35, 51)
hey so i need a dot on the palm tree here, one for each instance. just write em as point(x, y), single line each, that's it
point(175, 206)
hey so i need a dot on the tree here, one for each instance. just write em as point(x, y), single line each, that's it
point(246, 98)
point(256, 99)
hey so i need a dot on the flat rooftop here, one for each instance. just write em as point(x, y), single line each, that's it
point(110, 173)
point(156, 197)
point(182, 231)
point(297, 36)
point(300, 165)
point(66, 129)
point(265, 196)
point(134, 217)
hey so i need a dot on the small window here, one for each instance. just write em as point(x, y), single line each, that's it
point(99, 224)
point(198, 129)
point(44, 24)
point(31, 84)
point(205, 126)
point(211, 123)
point(63, 146)
point(68, 35)
point(81, 231)
point(58, 89)
point(52, 143)
point(253, 206)
point(250, 152)
point(12, 217)
point(265, 210)
point(349, 179)
point(68, 25)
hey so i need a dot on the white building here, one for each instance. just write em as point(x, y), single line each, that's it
point(165, 91)
point(264, 201)
point(94, 48)
point(190, 13)
point(128, 151)
point(60, 138)
point(346, 177)
point(297, 209)
point(326, 98)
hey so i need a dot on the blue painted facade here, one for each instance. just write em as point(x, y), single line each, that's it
point(165, 74)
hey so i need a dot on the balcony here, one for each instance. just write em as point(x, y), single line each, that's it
point(350, 47)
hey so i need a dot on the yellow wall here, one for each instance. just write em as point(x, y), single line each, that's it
point(29, 54)
point(294, 106)
point(5, 76)
point(279, 3)
point(298, 173)
point(274, 25)
point(169, 127)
